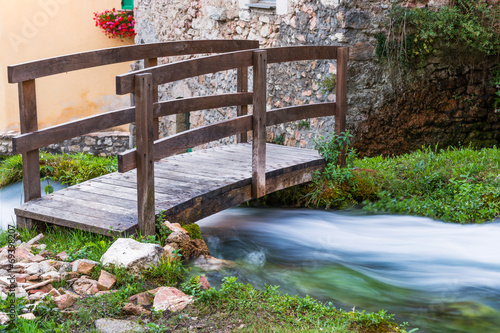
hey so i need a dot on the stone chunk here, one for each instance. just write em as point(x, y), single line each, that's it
point(4, 318)
point(27, 316)
point(84, 266)
point(209, 263)
point(108, 325)
point(132, 255)
point(62, 255)
point(171, 299)
point(106, 281)
point(144, 298)
point(204, 283)
point(175, 227)
point(168, 253)
point(136, 310)
point(85, 286)
point(35, 240)
point(64, 301)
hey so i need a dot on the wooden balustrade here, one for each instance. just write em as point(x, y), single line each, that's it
point(144, 83)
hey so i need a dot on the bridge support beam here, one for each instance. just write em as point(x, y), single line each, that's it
point(145, 164)
point(341, 97)
point(259, 124)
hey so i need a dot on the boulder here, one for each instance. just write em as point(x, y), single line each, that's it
point(189, 248)
point(106, 280)
point(132, 255)
point(171, 299)
point(178, 237)
point(204, 283)
point(108, 325)
point(209, 263)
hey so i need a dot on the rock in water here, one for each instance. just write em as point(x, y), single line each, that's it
point(132, 255)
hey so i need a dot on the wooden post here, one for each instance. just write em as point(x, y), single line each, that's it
point(29, 123)
point(151, 62)
point(242, 86)
point(259, 124)
point(145, 163)
point(341, 96)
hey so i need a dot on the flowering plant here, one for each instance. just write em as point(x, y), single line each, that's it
point(116, 23)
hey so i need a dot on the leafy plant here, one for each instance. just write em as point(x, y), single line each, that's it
point(329, 83)
point(169, 270)
point(304, 124)
point(192, 286)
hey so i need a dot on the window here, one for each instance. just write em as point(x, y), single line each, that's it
point(268, 4)
point(128, 4)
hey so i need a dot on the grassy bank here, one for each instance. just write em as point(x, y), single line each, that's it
point(232, 307)
point(459, 185)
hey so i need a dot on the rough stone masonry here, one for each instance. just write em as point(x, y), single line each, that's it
point(382, 119)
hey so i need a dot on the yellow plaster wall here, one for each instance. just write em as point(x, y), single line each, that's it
point(36, 29)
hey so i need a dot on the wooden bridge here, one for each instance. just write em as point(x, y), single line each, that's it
point(154, 177)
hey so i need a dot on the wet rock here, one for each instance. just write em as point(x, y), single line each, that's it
point(172, 299)
point(132, 255)
point(108, 325)
point(209, 263)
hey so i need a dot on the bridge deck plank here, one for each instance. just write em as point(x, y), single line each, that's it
point(188, 187)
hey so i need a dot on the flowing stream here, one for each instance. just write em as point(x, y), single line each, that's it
point(439, 277)
point(12, 196)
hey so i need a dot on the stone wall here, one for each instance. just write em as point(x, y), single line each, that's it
point(99, 144)
point(382, 119)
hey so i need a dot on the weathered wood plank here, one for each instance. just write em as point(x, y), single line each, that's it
point(75, 192)
point(294, 113)
point(341, 93)
point(242, 86)
point(151, 62)
point(144, 153)
point(297, 53)
point(67, 63)
point(259, 124)
point(183, 105)
point(188, 139)
point(29, 123)
point(72, 220)
point(186, 69)
point(58, 133)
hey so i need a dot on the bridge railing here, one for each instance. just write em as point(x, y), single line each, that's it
point(148, 150)
point(25, 74)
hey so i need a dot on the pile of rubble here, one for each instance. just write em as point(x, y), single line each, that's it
point(33, 275)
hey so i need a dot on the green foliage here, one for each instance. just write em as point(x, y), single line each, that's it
point(194, 230)
point(279, 139)
point(453, 185)
point(168, 271)
point(304, 124)
point(334, 187)
point(465, 27)
point(270, 308)
point(495, 82)
point(67, 169)
point(192, 286)
point(162, 232)
point(83, 244)
point(329, 83)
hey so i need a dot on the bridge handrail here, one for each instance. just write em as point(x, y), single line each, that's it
point(77, 61)
point(220, 62)
point(148, 150)
point(25, 74)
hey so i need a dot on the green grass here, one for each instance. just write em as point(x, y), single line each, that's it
point(454, 185)
point(67, 169)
